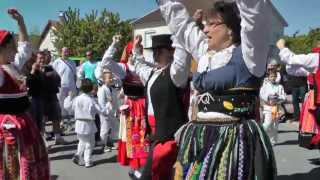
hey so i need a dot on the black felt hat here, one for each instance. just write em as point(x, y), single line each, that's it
point(161, 41)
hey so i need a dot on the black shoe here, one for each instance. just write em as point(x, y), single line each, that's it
point(77, 161)
point(49, 136)
point(133, 174)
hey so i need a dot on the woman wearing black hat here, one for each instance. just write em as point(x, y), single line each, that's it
point(225, 142)
point(23, 154)
point(165, 86)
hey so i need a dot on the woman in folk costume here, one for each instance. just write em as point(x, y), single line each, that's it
point(132, 146)
point(306, 64)
point(23, 153)
point(225, 141)
point(166, 85)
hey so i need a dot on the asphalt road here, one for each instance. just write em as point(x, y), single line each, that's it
point(293, 162)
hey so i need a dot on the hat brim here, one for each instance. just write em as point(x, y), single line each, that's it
point(158, 47)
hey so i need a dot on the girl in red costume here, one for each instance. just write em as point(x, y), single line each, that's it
point(23, 151)
point(132, 146)
point(307, 64)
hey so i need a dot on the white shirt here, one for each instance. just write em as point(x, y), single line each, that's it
point(107, 98)
point(22, 56)
point(85, 108)
point(255, 32)
point(67, 71)
point(299, 65)
point(179, 70)
point(268, 89)
point(108, 62)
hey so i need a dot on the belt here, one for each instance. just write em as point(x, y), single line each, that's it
point(241, 105)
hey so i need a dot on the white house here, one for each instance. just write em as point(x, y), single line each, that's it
point(153, 24)
point(47, 38)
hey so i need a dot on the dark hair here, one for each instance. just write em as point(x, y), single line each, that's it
point(230, 15)
point(86, 85)
point(41, 53)
point(6, 41)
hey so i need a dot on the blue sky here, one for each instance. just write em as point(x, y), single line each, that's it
point(300, 15)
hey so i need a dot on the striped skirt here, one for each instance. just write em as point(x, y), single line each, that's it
point(238, 151)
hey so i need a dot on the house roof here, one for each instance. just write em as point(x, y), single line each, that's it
point(192, 6)
point(51, 23)
point(277, 13)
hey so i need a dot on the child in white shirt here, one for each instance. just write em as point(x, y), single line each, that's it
point(85, 108)
point(272, 94)
point(107, 97)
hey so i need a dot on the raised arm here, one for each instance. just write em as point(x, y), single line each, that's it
point(309, 62)
point(181, 24)
point(255, 33)
point(141, 67)
point(294, 70)
point(108, 60)
point(180, 67)
point(24, 47)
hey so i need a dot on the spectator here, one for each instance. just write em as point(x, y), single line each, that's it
point(67, 72)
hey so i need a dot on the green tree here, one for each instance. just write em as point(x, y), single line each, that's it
point(94, 32)
point(303, 43)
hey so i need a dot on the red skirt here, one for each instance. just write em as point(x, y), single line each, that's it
point(20, 136)
point(133, 150)
point(164, 155)
point(308, 123)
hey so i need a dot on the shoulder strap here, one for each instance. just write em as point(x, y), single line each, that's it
point(73, 70)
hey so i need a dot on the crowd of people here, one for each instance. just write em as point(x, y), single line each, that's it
point(164, 121)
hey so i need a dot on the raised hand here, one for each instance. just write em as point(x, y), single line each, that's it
point(116, 38)
point(137, 41)
point(138, 48)
point(281, 44)
point(15, 14)
point(23, 36)
point(198, 16)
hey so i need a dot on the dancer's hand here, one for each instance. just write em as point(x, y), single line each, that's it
point(23, 35)
point(198, 16)
point(137, 40)
point(281, 44)
point(15, 15)
point(137, 44)
point(116, 39)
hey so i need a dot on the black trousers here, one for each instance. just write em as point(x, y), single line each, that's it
point(97, 122)
point(298, 94)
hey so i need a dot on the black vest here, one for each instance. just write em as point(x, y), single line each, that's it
point(167, 104)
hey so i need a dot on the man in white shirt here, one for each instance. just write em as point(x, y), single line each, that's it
point(67, 72)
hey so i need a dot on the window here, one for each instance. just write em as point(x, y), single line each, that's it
point(147, 38)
